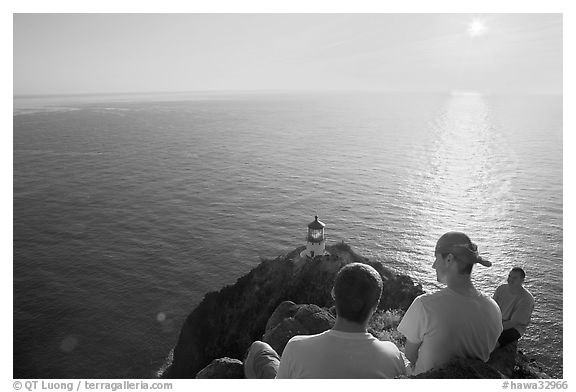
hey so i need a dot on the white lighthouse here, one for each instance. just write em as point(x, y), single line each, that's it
point(315, 241)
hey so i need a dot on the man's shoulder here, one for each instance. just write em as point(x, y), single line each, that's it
point(435, 296)
point(489, 301)
point(527, 294)
point(388, 346)
point(298, 339)
point(429, 299)
point(449, 296)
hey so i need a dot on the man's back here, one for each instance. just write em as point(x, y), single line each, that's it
point(336, 354)
point(451, 325)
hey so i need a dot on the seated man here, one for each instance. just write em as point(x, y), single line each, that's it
point(345, 351)
point(516, 304)
point(457, 321)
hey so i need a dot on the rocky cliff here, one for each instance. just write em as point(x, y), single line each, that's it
point(225, 323)
point(266, 304)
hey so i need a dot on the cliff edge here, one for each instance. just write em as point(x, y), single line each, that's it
point(225, 323)
point(262, 305)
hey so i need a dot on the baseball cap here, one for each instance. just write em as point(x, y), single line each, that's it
point(460, 245)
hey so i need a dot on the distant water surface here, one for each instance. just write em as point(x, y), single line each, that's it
point(127, 210)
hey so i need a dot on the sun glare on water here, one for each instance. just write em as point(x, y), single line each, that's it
point(476, 28)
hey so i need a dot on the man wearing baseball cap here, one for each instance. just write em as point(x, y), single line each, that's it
point(457, 321)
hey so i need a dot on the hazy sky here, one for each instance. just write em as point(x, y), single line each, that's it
point(100, 53)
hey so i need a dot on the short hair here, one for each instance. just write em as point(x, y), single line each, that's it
point(518, 269)
point(357, 289)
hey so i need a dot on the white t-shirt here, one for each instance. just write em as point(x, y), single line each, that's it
point(451, 325)
point(336, 354)
point(515, 306)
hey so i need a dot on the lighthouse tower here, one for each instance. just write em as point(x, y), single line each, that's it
point(315, 241)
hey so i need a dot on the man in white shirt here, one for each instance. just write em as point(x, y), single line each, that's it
point(516, 304)
point(347, 350)
point(457, 321)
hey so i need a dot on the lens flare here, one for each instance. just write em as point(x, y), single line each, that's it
point(69, 343)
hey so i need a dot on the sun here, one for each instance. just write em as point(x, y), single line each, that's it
point(476, 28)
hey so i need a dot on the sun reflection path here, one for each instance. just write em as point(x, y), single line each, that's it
point(465, 187)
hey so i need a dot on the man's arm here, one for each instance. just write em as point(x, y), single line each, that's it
point(411, 327)
point(496, 295)
point(507, 324)
point(411, 351)
point(521, 315)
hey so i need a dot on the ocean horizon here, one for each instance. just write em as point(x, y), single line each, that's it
point(129, 208)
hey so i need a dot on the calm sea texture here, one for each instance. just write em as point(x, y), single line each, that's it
point(128, 210)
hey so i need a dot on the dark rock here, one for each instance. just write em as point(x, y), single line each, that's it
point(504, 359)
point(398, 292)
point(225, 323)
point(528, 368)
point(315, 319)
point(504, 362)
point(307, 320)
point(285, 310)
point(222, 368)
point(462, 368)
point(278, 336)
point(512, 363)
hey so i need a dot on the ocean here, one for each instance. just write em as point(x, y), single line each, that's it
point(128, 209)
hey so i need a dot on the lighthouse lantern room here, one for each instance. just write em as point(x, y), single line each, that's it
point(315, 241)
